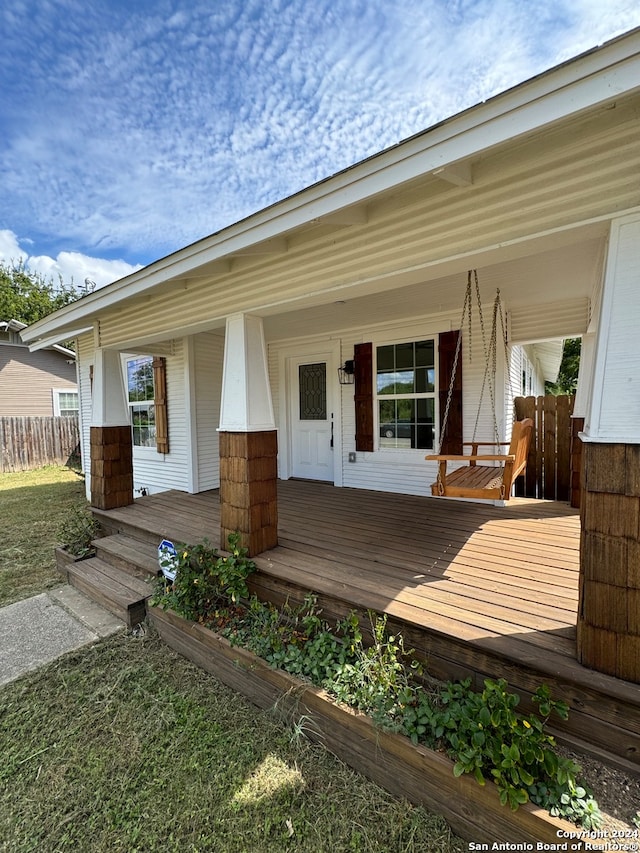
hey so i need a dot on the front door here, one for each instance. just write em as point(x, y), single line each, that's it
point(311, 418)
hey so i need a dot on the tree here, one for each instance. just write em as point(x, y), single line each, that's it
point(567, 380)
point(26, 296)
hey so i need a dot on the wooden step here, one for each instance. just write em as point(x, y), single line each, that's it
point(116, 590)
point(133, 556)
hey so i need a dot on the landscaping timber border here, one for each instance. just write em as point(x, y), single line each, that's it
point(420, 775)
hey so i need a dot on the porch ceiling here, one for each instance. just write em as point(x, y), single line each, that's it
point(538, 272)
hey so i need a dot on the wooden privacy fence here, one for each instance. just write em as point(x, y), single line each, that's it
point(549, 465)
point(30, 442)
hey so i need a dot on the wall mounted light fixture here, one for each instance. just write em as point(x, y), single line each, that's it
point(346, 373)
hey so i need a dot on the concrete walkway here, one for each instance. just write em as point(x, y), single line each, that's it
point(40, 629)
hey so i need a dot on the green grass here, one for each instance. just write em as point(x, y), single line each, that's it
point(33, 505)
point(125, 746)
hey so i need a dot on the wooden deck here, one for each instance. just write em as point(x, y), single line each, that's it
point(478, 590)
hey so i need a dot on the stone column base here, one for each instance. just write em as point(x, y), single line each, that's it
point(609, 609)
point(111, 467)
point(248, 489)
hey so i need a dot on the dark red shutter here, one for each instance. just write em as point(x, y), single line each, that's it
point(363, 357)
point(452, 439)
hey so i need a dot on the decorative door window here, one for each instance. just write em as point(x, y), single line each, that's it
point(312, 382)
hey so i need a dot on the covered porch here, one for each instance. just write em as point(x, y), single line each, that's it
point(479, 591)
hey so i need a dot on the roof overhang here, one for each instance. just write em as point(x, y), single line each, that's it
point(17, 326)
point(594, 79)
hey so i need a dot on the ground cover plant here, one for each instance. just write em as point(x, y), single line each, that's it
point(481, 732)
point(33, 506)
point(126, 746)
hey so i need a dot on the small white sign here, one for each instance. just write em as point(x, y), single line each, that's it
point(168, 559)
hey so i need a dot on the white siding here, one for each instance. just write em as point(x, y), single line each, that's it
point(402, 471)
point(208, 352)
point(157, 472)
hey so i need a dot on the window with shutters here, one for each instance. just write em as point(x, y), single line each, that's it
point(405, 388)
point(146, 391)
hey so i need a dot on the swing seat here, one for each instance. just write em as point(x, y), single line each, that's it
point(485, 482)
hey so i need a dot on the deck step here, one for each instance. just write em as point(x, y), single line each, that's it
point(133, 556)
point(116, 590)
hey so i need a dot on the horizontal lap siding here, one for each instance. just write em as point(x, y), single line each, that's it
point(27, 380)
point(160, 471)
point(208, 355)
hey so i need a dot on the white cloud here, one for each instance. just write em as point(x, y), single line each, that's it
point(135, 134)
point(71, 267)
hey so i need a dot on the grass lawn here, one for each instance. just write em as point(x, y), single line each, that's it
point(127, 746)
point(33, 505)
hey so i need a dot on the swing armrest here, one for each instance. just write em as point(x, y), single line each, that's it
point(485, 457)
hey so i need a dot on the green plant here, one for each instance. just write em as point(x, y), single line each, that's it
point(77, 532)
point(296, 639)
point(487, 738)
point(380, 678)
point(205, 580)
point(635, 820)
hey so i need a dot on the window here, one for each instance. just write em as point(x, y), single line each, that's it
point(65, 402)
point(406, 395)
point(147, 395)
point(141, 401)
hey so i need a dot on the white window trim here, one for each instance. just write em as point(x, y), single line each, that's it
point(399, 453)
point(55, 394)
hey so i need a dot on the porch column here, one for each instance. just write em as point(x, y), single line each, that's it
point(609, 609)
point(110, 435)
point(248, 439)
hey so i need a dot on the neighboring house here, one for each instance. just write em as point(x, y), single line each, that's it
point(214, 365)
point(38, 384)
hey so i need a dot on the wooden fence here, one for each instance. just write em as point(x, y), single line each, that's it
point(549, 465)
point(30, 442)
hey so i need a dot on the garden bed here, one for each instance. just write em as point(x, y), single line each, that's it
point(421, 775)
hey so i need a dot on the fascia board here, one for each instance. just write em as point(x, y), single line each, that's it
point(595, 78)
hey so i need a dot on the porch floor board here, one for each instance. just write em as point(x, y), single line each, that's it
point(479, 590)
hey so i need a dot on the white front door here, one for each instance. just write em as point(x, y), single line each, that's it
point(312, 417)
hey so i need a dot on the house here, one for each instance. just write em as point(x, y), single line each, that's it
point(229, 363)
point(37, 384)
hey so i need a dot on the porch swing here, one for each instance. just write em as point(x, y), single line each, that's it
point(491, 481)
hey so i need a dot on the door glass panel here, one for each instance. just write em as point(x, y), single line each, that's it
point(312, 379)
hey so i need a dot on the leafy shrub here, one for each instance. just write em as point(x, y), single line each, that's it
point(486, 737)
point(205, 579)
point(295, 639)
point(78, 531)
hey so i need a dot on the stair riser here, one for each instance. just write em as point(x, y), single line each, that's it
point(122, 563)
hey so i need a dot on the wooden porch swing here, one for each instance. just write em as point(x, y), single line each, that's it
point(485, 481)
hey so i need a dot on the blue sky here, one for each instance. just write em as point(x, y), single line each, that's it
point(130, 128)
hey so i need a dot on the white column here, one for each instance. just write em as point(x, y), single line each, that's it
point(613, 411)
point(109, 400)
point(246, 404)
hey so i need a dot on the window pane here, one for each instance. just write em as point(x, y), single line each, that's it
point(140, 379)
point(312, 380)
point(68, 402)
point(424, 354)
point(386, 358)
point(405, 382)
point(404, 356)
point(386, 383)
point(144, 426)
